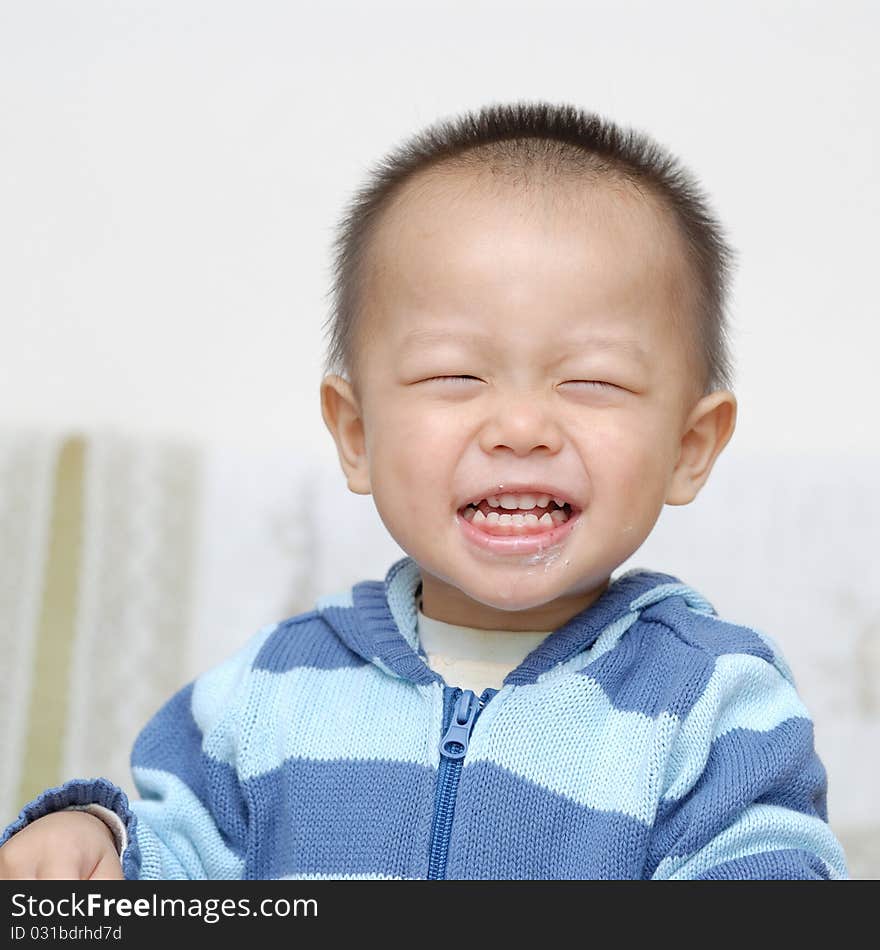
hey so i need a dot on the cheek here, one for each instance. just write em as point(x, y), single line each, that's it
point(415, 438)
point(630, 461)
point(409, 457)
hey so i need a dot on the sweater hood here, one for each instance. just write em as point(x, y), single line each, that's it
point(378, 620)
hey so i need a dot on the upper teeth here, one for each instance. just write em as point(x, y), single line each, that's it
point(524, 502)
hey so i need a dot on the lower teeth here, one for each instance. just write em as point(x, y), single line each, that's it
point(515, 524)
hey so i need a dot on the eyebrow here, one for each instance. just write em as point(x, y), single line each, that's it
point(418, 338)
point(625, 347)
point(425, 337)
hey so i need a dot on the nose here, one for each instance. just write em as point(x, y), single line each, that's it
point(521, 423)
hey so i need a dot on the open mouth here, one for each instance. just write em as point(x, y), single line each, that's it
point(517, 515)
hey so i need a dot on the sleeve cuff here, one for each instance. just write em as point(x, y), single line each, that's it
point(98, 796)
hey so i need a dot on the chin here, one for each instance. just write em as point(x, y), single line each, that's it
point(524, 592)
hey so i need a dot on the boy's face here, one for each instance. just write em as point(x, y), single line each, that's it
point(566, 313)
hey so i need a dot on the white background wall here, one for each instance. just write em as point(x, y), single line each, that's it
point(171, 174)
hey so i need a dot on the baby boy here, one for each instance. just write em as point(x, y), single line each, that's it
point(527, 361)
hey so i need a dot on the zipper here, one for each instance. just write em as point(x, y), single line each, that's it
point(458, 726)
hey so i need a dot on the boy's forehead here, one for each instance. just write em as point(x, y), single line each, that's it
point(471, 245)
point(460, 256)
point(435, 209)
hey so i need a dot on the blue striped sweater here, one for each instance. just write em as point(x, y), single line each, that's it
point(645, 738)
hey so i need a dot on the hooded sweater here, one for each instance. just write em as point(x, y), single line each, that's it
point(644, 738)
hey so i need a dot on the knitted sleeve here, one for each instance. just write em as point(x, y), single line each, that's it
point(744, 795)
point(192, 818)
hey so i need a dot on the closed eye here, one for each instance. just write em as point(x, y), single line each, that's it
point(458, 378)
point(594, 384)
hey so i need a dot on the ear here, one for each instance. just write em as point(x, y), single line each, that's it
point(342, 416)
point(707, 430)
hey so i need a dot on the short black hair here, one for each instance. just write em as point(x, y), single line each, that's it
point(551, 141)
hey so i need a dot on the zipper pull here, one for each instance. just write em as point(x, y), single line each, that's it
point(459, 731)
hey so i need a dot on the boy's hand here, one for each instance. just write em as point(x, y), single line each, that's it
point(66, 845)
